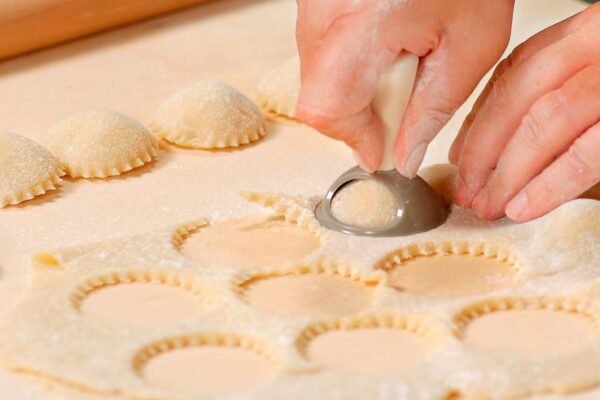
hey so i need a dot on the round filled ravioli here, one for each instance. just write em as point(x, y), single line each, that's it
point(209, 115)
point(277, 92)
point(101, 143)
point(26, 169)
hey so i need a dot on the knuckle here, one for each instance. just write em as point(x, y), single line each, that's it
point(580, 161)
point(532, 133)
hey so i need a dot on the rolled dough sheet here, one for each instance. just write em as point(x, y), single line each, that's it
point(134, 69)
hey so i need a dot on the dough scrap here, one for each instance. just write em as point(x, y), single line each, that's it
point(365, 204)
point(100, 143)
point(277, 92)
point(26, 169)
point(209, 115)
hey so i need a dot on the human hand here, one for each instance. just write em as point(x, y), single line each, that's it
point(345, 45)
point(532, 140)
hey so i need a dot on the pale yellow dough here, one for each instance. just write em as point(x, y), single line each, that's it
point(263, 329)
point(365, 204)
point(26, 169)
point(209, 115)
point(100, 143)
point(277, 92)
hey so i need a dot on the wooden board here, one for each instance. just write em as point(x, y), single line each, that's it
point(132, 70)
point(33, 24)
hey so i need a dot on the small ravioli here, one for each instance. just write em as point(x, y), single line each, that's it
point(277, 92)
point(26, 169)
point(209, 115)
point(365, 204)
point(101, 143)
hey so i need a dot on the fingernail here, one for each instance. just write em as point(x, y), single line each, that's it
point(517, 207)
point(414, 160)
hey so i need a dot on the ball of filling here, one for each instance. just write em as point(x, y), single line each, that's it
point(364, 204)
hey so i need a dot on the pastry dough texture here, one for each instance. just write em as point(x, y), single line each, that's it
point(100, 143)
point(209, 115)
point(26, 169)
point(365, 204)
point(556, 282)
point(277, 92)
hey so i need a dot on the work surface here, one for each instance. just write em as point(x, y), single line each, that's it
point(131, 70)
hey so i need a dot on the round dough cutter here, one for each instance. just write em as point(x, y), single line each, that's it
point(421, 209)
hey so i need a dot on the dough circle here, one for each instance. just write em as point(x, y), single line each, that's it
point(368, 350)
point(100, 143)
point(26, 169)
point(250, 243)
point(209, 115)
point(314, 295)
point(277, 92)
point(451, 275)
point(529, 332)
point(207, 370)
point(364, 204)
point(141, 304)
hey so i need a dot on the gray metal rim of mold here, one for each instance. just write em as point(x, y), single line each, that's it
point(421, 209)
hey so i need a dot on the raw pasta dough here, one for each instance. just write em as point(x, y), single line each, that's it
point(26, 169)
point(277, 92)
point(100, 143)
point(209, 115)
point(364, 204)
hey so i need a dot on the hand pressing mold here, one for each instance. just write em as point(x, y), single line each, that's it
point(208, 115)
point(27, 169)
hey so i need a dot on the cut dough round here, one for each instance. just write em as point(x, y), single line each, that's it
point(209, 115)
point(451, 275)
point(277, 92)
point(141, 304)
point(529, 332)
point(250, 243)
point(368, 350)
point(100, 143)
point(314, 295)
point(364, 204)
point(208, 370)
point(26, 169)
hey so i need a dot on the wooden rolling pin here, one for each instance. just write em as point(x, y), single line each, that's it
point(27, 25)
